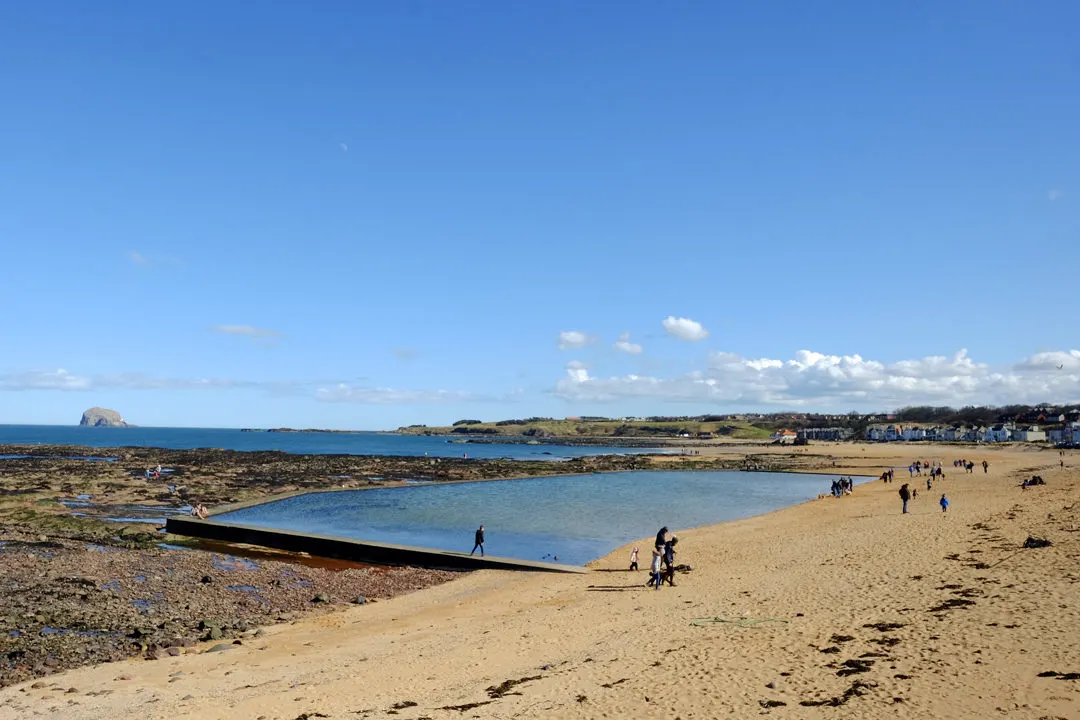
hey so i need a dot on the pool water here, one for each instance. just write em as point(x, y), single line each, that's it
point(573, 518)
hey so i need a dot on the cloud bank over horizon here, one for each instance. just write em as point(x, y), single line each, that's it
point(833, 382)
point(809, 380)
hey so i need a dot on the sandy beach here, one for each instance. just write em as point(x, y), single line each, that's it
point(834, 608)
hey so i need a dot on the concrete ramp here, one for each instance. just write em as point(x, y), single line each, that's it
point(357, 550)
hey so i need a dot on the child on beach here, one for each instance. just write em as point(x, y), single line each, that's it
point(944, 503)
point(633, 558)
point(654, 570)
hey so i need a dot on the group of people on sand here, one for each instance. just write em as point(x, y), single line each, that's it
point(663, 559)
point(969, 465)
point(842, 486)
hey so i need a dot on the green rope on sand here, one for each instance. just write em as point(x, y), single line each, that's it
point(738, 622)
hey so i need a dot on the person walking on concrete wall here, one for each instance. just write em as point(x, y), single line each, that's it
point(479, 541)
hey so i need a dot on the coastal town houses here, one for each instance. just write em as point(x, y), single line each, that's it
point(834, 434)
point(1066, 435)
point(1068, 432)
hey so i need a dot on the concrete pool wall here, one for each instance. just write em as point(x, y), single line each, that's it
point(357, 550)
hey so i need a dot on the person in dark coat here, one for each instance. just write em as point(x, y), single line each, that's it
point(905, 495)
point(661, 538)
point(669, 559)
point(479, 541)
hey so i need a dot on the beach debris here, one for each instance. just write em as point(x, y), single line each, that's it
point(830, 650)
point(854, 667)
point(1059, 675)
point(884, 626)
point(321, 598)
point(402, 705)
point(771, 703)
point(360, 600)
point(504, 688)
point(613, 683)
point(841, 638)
point(581, 698)
point(1036, 542)
point(857, 689)
point(309, 715)
point(738, 622)
point(466, 706)
point(952, 603)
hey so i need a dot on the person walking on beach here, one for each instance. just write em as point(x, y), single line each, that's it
point(661, 537)
point(905, 495)
point(479, 541)
point(654, 569)
point(986, 467)
point(944, 503)
point(633, 558)
point(669, 559)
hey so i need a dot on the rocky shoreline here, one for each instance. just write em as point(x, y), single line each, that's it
point(68, 603)
point(89, 577)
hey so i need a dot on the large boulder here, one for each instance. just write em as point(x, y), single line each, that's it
point(102, 417)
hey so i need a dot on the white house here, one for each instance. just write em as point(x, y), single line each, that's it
point(997, 433)
point(1031, 434)
point(785, 437)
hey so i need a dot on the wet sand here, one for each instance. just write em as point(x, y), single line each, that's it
point(834, 608)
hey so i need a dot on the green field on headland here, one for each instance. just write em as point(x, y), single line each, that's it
point(696, 428)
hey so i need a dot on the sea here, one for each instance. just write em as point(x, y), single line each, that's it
point(566, 519)
point(307, 443)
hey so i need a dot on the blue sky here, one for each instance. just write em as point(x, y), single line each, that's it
point(355, 215)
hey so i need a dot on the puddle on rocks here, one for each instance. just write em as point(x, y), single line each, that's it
point(232, 563)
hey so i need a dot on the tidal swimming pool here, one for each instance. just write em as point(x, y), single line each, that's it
point(575, 517)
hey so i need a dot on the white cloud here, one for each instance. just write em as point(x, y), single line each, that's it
point(578, 371)
point(137, 257)
point(1051, 361)
point(344, 147)
point(247, 331)
point(685, 329)
point(63, 380)
point(1054, 195)
point(43, 380)
point(834, 382)
point(572, 339)
point(343, 392)
point(623, 344)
